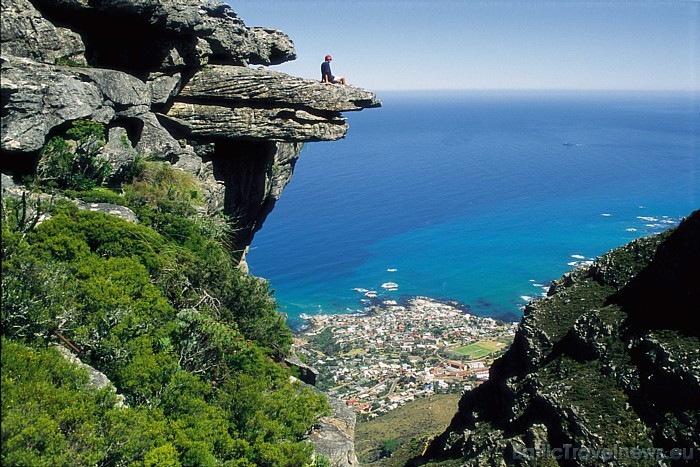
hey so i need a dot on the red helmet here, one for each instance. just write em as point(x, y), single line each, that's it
point(328, 57)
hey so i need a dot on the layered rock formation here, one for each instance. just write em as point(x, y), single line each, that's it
point(604, 371)
point(174, 77)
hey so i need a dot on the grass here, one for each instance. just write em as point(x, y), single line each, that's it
point(412, 423)
point(479, 349)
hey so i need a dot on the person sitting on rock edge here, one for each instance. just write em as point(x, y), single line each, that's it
point(326, 75)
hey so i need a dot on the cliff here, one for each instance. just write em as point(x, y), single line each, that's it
point(174, 79)
point(604, 369)
point(178, 81)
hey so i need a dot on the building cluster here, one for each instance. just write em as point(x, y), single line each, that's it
point(395, 353)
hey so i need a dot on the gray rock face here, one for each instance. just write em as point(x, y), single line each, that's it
point(260, 87)
point(270, 47)
point(334, 436)
point(38, 97)
point(108, 208)
point(26, 33)
point(254, 175)
point(176, 88)
point(157, 27)
point(98, 380)
point(307, 374)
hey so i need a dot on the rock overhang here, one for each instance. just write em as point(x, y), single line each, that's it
point(198, 73)
point(259, 104)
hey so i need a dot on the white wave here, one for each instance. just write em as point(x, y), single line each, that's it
point(578, 256)
point(648, 218)
point(391, 270)
point(605, 214)
point(631, 229)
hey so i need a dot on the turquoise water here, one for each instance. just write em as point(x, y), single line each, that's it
point(477, 197)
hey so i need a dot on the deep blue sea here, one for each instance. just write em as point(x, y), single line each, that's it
point(479, 197)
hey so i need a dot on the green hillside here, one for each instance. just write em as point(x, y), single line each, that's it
point(190, 343)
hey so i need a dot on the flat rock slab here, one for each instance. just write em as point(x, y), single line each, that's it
point(258, 104)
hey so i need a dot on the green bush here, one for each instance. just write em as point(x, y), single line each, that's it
point(188, 339)
point(73, 161)
point(49, 415)
point(389, 447)
point(162, 188)
point(97, 195)
point(71, 235)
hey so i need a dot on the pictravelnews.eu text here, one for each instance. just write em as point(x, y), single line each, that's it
point(569, 451)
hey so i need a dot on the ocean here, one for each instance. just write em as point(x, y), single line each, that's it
point(481, 197)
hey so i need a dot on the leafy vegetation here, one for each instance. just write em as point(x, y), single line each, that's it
point(160, 308)
point(64, 61)
point(74, 161)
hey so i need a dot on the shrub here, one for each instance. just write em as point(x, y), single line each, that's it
point(74, 161)
point(49, 416)
point(97, 195)
point(162, 188)
point(389, 447)
point(178, 329)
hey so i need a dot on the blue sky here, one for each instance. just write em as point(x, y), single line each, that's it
point(450, 44)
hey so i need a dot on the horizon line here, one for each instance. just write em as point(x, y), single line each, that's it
point(664, 90)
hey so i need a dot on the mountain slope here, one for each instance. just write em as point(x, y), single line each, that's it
point(605, 368)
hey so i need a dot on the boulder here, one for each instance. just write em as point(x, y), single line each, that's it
point(334, 435)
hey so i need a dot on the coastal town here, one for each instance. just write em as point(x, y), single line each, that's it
point(395, 352)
